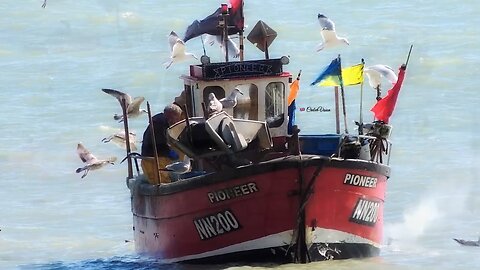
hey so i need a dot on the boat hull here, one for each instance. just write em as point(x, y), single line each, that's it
point(252, 213)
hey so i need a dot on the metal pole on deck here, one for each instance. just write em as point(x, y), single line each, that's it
point(224, 8)
point(361, 104)
point(337, 111)
point(240, 36)
point(344, 109)
point(127, 137)
point(152, 132)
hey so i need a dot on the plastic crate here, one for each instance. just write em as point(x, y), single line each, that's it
point(325, 144)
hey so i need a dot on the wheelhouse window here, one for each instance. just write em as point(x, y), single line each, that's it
point(247, 104)
point(275, 104)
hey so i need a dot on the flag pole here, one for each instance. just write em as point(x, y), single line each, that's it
point(342, 91)
point(360, 128)
point(155, 156)
point(225, 14)
point(408, 57)
point(337, 111)
point(240, 34)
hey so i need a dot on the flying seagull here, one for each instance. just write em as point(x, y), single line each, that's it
point(375, 74)
point(119, 139)
point(233, 50)
point(231, 100)
point(468, 242)
point(133, 106)
point(180, 167)
point(330, 38)
point(214, 105)
point(177, 48)
point(91, 162)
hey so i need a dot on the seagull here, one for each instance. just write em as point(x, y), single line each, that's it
point(119, 139)
point(468, 242)
point(177, 48)
point(133, 106)
point(92, 163)
point(233, 50)
point(330, 38)
point(231, 100)
point(180, 167)
point(44, 3)
point(214, 105)
point(375, 74)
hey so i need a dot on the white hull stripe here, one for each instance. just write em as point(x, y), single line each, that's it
point(274, 240)
point(321, 235)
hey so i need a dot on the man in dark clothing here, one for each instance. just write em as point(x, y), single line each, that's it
point(166, 155)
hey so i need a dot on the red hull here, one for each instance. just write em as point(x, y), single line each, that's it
point(255, 208)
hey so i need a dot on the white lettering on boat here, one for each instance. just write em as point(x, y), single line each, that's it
point(240, 68)
point(232, 192)
point(216, 224)
point(360, 180)
point(365, 212)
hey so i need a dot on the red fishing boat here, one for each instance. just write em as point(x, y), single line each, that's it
point(259, 190)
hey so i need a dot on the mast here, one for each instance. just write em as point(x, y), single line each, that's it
point(342, 92)
point(360, 120)
point(224, 25)
point(240, 33)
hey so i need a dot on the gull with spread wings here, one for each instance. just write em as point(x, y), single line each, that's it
point(330, 38)
point(91, 162)
point(233, 49)
point(375, 74)
point(120, 140)
point(177, 48)
point(133, 105)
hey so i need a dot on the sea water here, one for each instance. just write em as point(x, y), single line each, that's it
point(54, 61)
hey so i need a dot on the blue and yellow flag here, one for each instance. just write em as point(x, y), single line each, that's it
point(350, 76)
point(333, 71)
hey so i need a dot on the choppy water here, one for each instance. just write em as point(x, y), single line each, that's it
point(54, 61)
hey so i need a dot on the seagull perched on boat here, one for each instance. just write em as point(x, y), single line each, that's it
point(92, 163)
point(214, 105)
point(375, 74)
point(180, 167)
point(231, 100)
point(119, 139)
point(133, 106)
point(330, 38)
point(177, 48)
point(468, 242)
point(233, 50)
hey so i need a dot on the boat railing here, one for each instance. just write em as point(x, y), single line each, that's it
point(366, 147)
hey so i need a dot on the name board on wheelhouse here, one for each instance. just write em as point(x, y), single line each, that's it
point(365, 212)
point(227, 70)
point(216, 224)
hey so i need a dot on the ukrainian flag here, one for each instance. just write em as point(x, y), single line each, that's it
point(350, 76)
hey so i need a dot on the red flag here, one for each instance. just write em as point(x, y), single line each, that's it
point(383, 109)
point(236, 15)
point(209, 25)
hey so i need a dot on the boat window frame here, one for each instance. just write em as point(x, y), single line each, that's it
point(277, 119)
